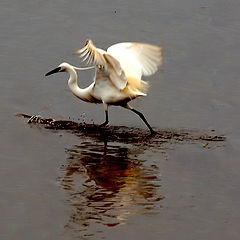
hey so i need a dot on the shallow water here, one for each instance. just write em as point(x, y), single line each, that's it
point(64, 185)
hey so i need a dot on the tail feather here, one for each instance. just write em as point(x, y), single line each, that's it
point(137, 85)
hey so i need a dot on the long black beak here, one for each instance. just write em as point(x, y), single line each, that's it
point(56, 70)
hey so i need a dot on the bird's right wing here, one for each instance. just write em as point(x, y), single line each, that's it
point(91, 54)
point(116, 74)
point(102, 60)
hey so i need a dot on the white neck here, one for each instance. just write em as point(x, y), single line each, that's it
point(73, 85)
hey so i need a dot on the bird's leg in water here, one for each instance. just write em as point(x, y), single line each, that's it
point(141, 116)
point(106, 121)
point(106, 115)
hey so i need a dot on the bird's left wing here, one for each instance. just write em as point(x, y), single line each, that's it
point(102, 60)
point(137, 59)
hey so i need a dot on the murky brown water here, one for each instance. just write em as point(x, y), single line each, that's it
point(65, 184)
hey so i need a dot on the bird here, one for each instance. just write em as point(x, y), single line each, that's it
point(118, 74)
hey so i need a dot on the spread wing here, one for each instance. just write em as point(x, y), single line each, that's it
point(91, 54)
point(104, 63)
point(137, 59)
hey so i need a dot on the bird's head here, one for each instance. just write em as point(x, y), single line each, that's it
point(63, 67)
point(66, 67)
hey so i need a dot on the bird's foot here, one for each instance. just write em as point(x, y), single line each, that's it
point(152, 132)
point(35, 119)
point(103, 124)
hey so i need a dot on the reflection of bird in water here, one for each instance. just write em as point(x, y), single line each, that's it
point(118, 74)
point(107, 185)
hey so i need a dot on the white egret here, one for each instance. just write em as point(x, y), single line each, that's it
point(118, 73)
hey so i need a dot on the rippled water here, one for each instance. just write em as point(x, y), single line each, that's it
point(106, 184)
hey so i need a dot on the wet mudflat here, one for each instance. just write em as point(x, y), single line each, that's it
point(120, 182)
point(106, 177)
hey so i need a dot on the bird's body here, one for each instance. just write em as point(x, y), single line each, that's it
point(118, 73)
point(102, 90)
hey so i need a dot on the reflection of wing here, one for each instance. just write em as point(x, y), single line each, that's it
point(137, 59)
point(101, 59)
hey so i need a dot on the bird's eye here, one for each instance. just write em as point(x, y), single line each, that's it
point(100, 67)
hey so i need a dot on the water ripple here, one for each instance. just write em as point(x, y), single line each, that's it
point(107, 183)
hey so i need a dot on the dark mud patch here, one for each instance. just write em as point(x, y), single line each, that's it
point(126, 134)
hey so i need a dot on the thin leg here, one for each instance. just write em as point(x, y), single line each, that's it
point(141, 116)
point(106, 115)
